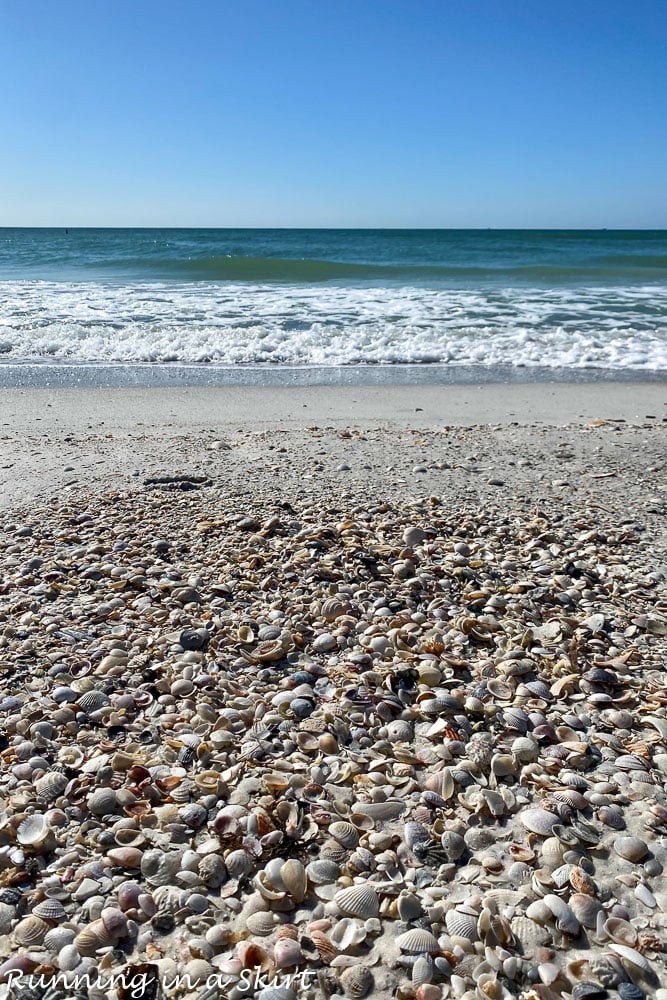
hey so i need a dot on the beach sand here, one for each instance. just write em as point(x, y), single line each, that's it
point(435, 617)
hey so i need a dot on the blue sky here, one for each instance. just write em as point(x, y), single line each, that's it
point(501, 113)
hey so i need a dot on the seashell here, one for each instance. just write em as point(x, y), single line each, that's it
point(347, 933)
point(442, 783)
point(58, 938)
point(103, 801)
point(322, 872)
point(417, 941)
point(390, 809)
point(30, 931)
point(462, 924)
point(325, 948)
point(128, 894)
point(581, 882)
point(294, 878)
point(539, 821)
point(611, 816)
point(332, 851)
point(415, 835)
point(93, 701)
point(565, 918)
point(333, 608)
point(287, 952)
point(34, 831)
point(157, 867)
point(531, 934)
point(409, 907)
point(262, 923)
point(585, 909)
point(345, 833)
point(503, 765)
point(359, 901)
point(91, 938)
point(357, 982)
point(587, 991)
point(621, 931)
point(629, 956)
point(128, 857)
point(50, 909)
point(630, 848)
point(51, 785)
point(423, 970)
point(114, 921)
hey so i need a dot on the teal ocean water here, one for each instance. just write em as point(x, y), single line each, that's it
point(225, 300)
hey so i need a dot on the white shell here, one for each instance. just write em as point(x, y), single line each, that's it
point(417, 940)
point(359, 901)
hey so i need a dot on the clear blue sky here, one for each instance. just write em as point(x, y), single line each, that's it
point(445, 113)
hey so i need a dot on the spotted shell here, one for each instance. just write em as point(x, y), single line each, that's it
point(417, 941)
point(357, 981)
point(359, 901)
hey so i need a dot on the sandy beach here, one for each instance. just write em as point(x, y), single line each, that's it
point(366, 684)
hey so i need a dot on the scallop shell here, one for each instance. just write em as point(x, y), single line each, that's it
point(462, 924)
point(345, 834)
point(423, 970)
point(93, 701)
point(539, 821)
point(30, 931)
point(358, 901)
point(103, 801)
point(325, 948)
point(51, 785)
point(332, 851)
point(418, 941)
point(49, 909)
point(263, 923)
point(294, 878)
point(57, 938)
point(334, 607)
point(356, 982)
point(322, 872)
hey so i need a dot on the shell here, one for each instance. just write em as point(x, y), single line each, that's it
point(294, 878)
point(345, 834)
point(33, 831)
point(49, 909)
point(417, 941)
point(93, 701)
point(157, 867)
point(263, 923)
point(621, 931)
point(347, 933)
point(91, 938)
point(442, 783)
point(423, 970)
point(357, 982)
point(103, 801)
point(30, 931)
point(462, 924)
point(631, 957)
point(358, 901)
point(585, 909)
point(286, 952)
point(630, 848)
point(539, 821)
point(322, 872)
point(51, 785)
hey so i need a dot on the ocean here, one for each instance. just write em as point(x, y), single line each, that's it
point(282, 306)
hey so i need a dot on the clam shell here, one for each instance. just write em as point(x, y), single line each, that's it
point(585, 909)
point(441, 783)
point(345, 833)
point(539, 821)
point(357, 982)
point(33, 831)
point(93, 701)
point(630, 848)
point(358, 901)
point(103, 801)
point(621, 931)
point(347, 933)
point(423, 970)
point(629, 956)
point(91, 938)
point(30, 931)
point(294, 878)
point(417, 941)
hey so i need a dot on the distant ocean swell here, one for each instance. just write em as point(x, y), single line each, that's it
point(250, 319)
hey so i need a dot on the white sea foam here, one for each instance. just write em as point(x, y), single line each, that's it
point(215, 323)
